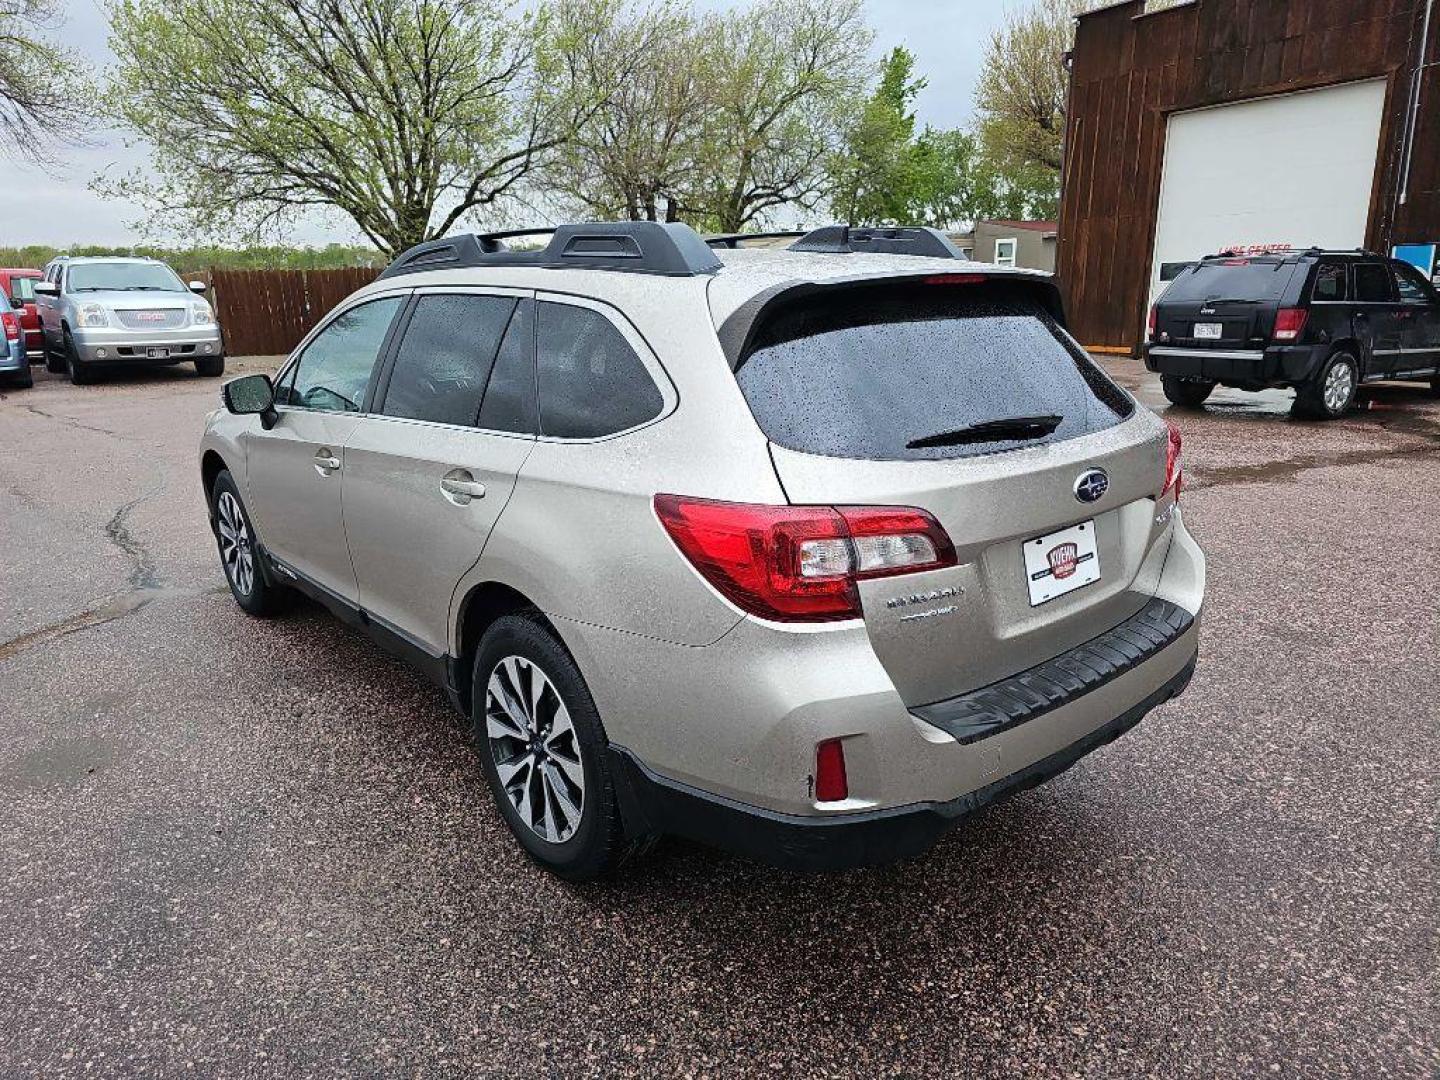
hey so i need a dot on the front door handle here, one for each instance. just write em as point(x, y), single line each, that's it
point(460, 486)
point(326, 462)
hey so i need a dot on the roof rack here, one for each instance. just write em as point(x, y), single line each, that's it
point(636, 247)
point(734, 240)
point(844, 240)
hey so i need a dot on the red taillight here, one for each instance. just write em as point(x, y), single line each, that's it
point(801, 563)
point(955, 279)
point(12, 325)
point(831, 783)
point(1174, 474)
point(1152, 322)
point(1290, 323)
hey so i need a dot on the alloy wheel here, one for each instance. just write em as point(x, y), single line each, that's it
point(1339, 385)
point(535, 749)
point(236, 550)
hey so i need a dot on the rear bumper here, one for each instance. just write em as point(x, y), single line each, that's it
point(651, 803)
point(1279, 365)
point(12, 356)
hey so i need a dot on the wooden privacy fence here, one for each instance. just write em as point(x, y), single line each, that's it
point(268, 312)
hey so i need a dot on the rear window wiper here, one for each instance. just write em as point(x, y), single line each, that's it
point(1011, 428)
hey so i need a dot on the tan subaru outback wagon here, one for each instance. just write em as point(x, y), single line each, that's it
point(806, 552)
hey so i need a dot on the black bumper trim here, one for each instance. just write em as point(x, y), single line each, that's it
point(653, 804)
point(1057, 682)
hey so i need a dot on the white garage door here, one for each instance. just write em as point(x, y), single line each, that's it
point(1294, 170)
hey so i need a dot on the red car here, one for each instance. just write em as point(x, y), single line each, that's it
point(18, 288)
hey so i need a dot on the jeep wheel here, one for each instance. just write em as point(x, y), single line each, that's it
point(543, 750)
point(1187, 393)
point(1331, 394)
point(81, 373)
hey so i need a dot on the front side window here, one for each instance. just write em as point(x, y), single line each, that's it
point(1372, 284)
point(124, 277)
point(445, 358)
point(335, 369)
point(1414, 289)
point(591, 382)
point(1331, 282)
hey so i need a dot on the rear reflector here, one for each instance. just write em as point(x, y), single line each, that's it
point(1174, 474)
point(801, 563)
point(1290, 323)
point(831, 783)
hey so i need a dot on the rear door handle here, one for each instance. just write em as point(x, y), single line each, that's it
point(325, 461)
point(460, 486)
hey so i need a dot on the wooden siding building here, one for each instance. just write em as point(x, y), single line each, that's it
point(1133, 72)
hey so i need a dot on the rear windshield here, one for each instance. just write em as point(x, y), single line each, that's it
point(864, 373)
point(1233, 279)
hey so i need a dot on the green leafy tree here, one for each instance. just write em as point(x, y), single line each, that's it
point(1020, 105)
point(886, 173)
point(406, 116)
point(42, 86)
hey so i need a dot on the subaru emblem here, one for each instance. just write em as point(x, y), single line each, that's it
point(1091, 485)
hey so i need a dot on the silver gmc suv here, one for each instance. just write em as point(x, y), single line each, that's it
point(804, 552)
point(96, 312)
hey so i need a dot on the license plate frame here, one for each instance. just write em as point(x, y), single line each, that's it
point(1058, 563)
point(1209, 331)
point(158, 352)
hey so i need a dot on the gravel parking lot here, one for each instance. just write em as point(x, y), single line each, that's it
point(241, 848)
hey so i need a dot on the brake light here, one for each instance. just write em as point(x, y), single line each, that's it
point(955, 279)
point(1290, 323)
point(1152, 322)
point(12, 325)
point(1174, 474)
point(801, 563)
point(831, 783)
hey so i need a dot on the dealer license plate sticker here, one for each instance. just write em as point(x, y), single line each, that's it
point(1209, 331)
point(1061, 562)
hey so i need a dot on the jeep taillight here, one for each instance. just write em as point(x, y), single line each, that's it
point(1174, 474)
point(11, 324)
point(1290, 323)
point(801, 563)
point(1152, 322)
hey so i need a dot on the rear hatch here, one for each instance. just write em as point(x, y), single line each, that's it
point(889, 394)
point(1224, 303)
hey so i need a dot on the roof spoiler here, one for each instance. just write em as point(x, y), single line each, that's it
point(844, 240)
point(669, 249)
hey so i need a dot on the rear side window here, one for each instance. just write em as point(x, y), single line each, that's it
point(1260, 280)
point(509, 403)
point(22, 288)
point(591, 382)
point(335, 368)
point(1414, 289)
point(444, 360)
point(1331, 282)
point(865, 373)
point(1372, 284)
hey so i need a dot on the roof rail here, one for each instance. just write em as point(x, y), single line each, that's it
point(844, 240)
point(636, 247)
point(734, 240)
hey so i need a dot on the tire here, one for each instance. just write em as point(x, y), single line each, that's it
point(1187, 393)
point(575, 846)
point(1331, 393)
point(239, 558)
point(1435, 387)
point(81, 374)
point(54, 362)
point(23, 380)
point(210, 367)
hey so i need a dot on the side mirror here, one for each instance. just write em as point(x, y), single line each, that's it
point(46, 288)
point(251, 395)
point(198, 287)
point(17, 302)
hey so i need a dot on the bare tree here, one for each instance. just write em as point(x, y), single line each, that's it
point(41, 84)
point(405, 115)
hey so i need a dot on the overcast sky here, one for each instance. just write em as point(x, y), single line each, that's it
point(36, 207)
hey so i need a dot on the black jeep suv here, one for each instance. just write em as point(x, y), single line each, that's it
point(1320, 321)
